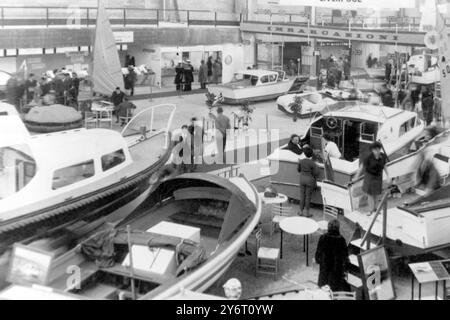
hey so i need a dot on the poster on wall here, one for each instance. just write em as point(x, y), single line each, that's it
point(124, 36)
point(351, 4)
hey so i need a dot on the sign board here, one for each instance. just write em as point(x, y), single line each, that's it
point(124, 36)
point(329, 33)
point(352, 4)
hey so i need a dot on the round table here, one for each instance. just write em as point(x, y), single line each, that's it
point(299, 226)
point(279, 199)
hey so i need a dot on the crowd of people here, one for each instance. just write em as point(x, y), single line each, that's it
point(337, 70)
point(53, 87)
point(209, 72)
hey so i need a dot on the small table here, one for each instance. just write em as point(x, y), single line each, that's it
point(299, 226)
point(426, 272)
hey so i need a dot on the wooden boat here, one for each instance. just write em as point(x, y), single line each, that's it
point(256, 85)
point(353, 129)
point(317, 102)
point(183, 237)
point(416, 223)
point(54, 178)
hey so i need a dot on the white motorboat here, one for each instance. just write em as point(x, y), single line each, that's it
point(256, 85)
point(317, 102)
point(50, 179)
point(423, 67)
point(353, 129)
point(183, 237)
point(415, 223)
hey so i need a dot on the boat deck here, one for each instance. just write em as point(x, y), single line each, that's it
point(394, 222)
point(148, 152)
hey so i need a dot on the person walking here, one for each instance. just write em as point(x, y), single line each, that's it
point(332, 257)
point(373, 166)
point(117, 98)
point(308, 181)
point(209, 64)
point(347, 69)
point(428, 106)
point(130, 80)
point(197, 133)
point(222, 123)
point(203, 74)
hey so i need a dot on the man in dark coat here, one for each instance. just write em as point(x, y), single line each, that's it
point(30, 87)
point(125, 110)
point(131, 79)
point(209, 64)
point(427, 106)
point(179, 75)
point(188, 76)
point(203, 74)
point(332, 256)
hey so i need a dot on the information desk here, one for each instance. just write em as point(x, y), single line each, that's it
point(430, 271)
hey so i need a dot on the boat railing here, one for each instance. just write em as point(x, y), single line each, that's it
point(150, 122)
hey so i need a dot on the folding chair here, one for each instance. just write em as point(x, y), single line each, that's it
point(279, 213)
point(267, 259)
point(90, 118)
point(105, 116)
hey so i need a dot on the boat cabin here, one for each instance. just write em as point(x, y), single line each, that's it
point(355, 127)
point(249, 78)
point(57, 162)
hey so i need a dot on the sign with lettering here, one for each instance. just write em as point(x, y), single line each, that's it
point(124, 36)
point(352, 4)
point(329, 33)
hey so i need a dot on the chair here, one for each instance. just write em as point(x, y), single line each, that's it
point(343, 295)
point(125, 119)
point(90, 118)
point(105, 116)
point(327, 211)
point(267, 259)
point(279, 213)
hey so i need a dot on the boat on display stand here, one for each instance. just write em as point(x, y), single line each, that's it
point(423, 67)
point(318, 102)
point(417, 221)
point(184, 236)
point(353, 129)
point(257, 85)
point(50, 179)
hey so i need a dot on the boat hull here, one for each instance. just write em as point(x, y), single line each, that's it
point(90, 206)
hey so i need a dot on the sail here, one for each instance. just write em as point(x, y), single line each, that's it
point(444, 64)
point(107, 73)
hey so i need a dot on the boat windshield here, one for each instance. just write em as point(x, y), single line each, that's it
point(244, 79)
point(17, 169)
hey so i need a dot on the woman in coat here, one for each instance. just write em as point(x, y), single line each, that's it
point(373, 166)
point(308, 181)
point(332, 257)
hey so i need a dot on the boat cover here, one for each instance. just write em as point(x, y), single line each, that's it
point(241, 207)
point(55, 114)
point(101, 248)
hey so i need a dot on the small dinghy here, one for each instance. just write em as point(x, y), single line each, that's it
point(46, 119)
point(183, 237)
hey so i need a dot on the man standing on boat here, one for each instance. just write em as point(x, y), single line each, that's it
point(330, 148)
point(117, 98)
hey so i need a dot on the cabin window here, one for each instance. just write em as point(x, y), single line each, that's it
point(70, 175)
point(17, 169)
point(112, 159)
point(412, 123)
point(368, 131)
point(264, 79)
point(254, 80)
point(404, 128)
point(273, 78)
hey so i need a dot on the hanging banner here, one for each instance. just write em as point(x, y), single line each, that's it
point(337, 34)
point(352, 4)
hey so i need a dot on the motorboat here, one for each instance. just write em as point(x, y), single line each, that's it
point(184, 236)
point(353, 129)
point(423, 67)
point(317, 102)
point(256, 85)
point(417, 222)
point(50, 179)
